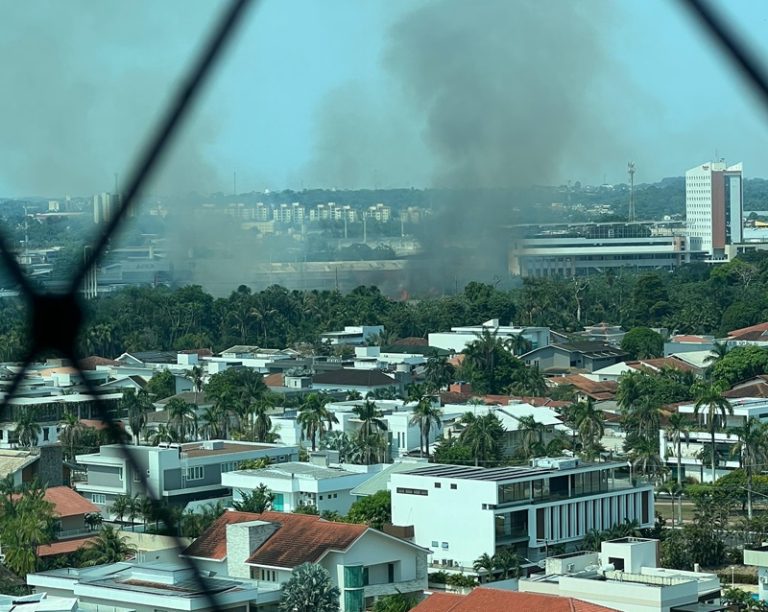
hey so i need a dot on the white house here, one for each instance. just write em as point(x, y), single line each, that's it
point(364, 563)
point(460, 337)
point(758, 556)
point(555, 501)
point(325, 487)
point(353, 334)
point(625, 576)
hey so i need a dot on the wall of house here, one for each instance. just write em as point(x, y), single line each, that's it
point(104, 476)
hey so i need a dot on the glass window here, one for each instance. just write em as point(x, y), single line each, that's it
point(353, 576)
point(195, 473)
point(99, 499)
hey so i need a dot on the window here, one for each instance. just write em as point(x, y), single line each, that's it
point(321, 498)
point(195, 473)
point(438, 485)
point(390, 572)
point(409, 491)
point(99, 499)
point(119, 473)
point(46, 433)
point(269, 575)
point(435, 543)
point(136, 477)
point(444, 546)
point(335, 495)
point(453, 486)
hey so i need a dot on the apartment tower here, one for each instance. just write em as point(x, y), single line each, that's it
point(714, 207)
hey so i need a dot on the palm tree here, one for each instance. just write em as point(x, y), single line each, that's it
point(710, 399)
point(508, 563)
point(438, 372)
point(107, 547)
point(589, 422)
point(136, 405)
point(645, 458)
point(352, 394)
point(717, 352)
point(484, 437)
point(370, 418)
point(531, 433)
point(134, 509)
point(313, 417)
point(678, 427)
point(518, 345)
point(196, 375)
point(484, 563)
point(120, 507)
point(28, 430)
point(71, 433)
point(671, 488)
point(183, 417)
point(629, 390)
point(426, 415)
point(212, 422)
point(752, 447)
point(165, 434)
point(260, 416)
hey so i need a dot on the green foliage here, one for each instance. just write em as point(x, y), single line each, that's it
point(374, 510)
point(306, 509)
point(395, 603)
point(259, 500)
point(453, 451)
point(107, 547)
point(460, 581)
point(741, 363)
point(309, 589)
point(643, 343)
point(162, 385)
point(489, 365)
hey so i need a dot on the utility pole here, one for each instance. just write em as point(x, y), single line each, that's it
point(631, 172)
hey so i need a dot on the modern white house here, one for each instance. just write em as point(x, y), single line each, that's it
point(528, 509)
point(364, 563)
point(460, 337)
point(695, 460)
point(758, 556)
point(151, 587)
point(178, 473)
point(353, 334)
point(324, 486)
point(625, 576)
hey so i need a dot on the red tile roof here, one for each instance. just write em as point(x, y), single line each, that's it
point(299, 539)
point(537, 402)
point(754, 332)
point(491, 600)
point(67, 502)
point(691, 339)
point(662, 362)
point(275, 380)
point(599, 390)
point(90, 363)
point(63, 547)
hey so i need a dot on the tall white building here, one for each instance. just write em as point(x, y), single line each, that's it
point(104, 206)
point(714, 206)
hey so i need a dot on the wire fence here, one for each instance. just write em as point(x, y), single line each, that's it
point(56, 319)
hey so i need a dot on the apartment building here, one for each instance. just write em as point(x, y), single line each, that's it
point(554, 501)
point(178, 473)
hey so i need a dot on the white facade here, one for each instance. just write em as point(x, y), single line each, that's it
point(624, 576)
point(294, 484)
point(699, 439)
point(459, 338)
point(758, 556)
point(529, 509)
point(714, 206)
point(353, 334)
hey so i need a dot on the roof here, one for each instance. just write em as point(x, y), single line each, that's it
point(662, 362)
point(599, 390)
point(240, 349)
point(689, 339)
point(299, 538)
point(67, 502)
point(153, 356)
point(196, 449)
point(380, 481)
point(11, 461)
point(291, 469)
point(503, 400)
point(63, 547)
point(90, 363)
point(275, 380)
point(753, 332)
point(489, 599)
point(199, 399)
point(357, 378)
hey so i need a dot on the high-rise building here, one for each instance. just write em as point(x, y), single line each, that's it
point(714, 207)
point(104, 206)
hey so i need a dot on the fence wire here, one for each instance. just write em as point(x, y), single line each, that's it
point(56, 320)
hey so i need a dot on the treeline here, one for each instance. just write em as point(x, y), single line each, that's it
point(692, 299)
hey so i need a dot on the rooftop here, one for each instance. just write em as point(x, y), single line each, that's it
point(292, 469)
point(357, 378)
point(485, 599)
point(462, 472)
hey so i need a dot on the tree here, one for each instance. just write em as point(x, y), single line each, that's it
point(162, 385)
point(120, 507)
point(27, 429)
point(182, 417)
point(315, 418)
point(678, 428)
point(739, 364)
point(484, 563)
point(399, 602)
point(262, 424)
point(257, 501)
point(531, 434)
point(213, 422)
point(488, 365)
point(717, 352)
point(752, 448)
point(136, 406)
point(438, 372)
point(196, 375)
point(27, 521)
point(107, 547)
point(642, 343)
point(374, 510)
point(71, 433)
point(370, 418)
point(309, 589)
point(589, 422)
point(508, 563)
point(426, 415)
point(709, 399)
point(645, 458)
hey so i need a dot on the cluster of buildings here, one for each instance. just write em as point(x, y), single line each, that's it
point(299, 214)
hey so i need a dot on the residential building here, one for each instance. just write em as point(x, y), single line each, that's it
point(150, 587)
point(585, 387)
point(554, 501)
point(323, 485)
point(574, 357)
point(362, 381)
point(683, 343)
point(460, 337)
point(364, 563)
point(72, 531)
point(41, 602)
point(625, 576)
point(755, 335)
point(379, 212)
point(604, 332)
point(714, 207)
point(493, 599)
point(42, 463)
point(758, 556)
point(649, 366)
point(353, 334)
point(382, 480)
point(694, 452)
point(177, 473)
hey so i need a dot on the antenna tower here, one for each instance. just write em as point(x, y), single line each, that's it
point(631, 172)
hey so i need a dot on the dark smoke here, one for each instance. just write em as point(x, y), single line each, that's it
point(83, 83)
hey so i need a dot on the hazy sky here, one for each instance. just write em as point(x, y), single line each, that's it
point(338, 93)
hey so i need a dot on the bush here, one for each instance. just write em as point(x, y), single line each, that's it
point(460, 581)
point(438, 577)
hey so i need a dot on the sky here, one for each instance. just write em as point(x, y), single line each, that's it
point(375, 93)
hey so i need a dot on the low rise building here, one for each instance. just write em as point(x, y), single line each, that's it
point(491, 599)
point(177, 473)
point(758, 556)
point(363, 563)
point(528, 509)
point(460, 337)
point(574, 357)
point(353, 334)
point(625, 575)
